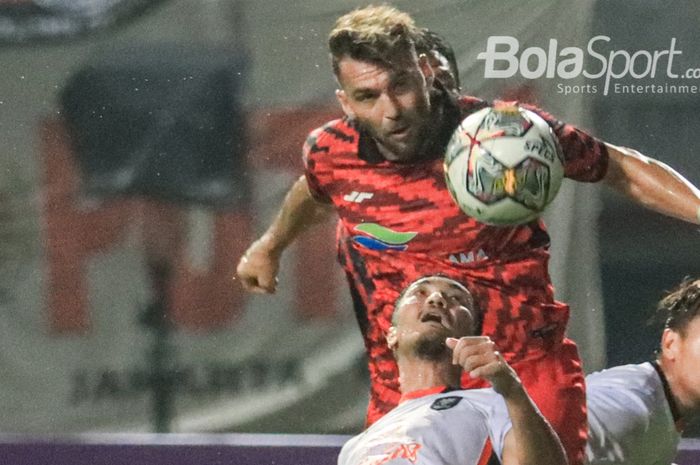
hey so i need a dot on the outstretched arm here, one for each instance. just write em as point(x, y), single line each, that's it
point(258, 267)
point(531, 441)
point(652, 183)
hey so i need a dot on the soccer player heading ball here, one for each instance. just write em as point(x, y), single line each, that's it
point(380, 170)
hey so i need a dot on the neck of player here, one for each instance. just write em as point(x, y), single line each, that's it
point(687, 405)
point(416, 373)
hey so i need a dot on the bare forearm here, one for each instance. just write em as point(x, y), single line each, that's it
point(653, 184)
point(298, 212)
point(532, 440)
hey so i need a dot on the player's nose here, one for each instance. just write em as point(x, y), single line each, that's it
point(391, 109)
point(436, 299)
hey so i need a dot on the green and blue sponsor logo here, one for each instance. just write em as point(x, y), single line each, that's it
point(377, 237)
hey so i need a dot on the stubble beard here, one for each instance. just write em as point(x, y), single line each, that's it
point(399, 152)
point(431, 347)
point(389, 149)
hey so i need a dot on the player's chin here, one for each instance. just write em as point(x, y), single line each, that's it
point(403, 150)
point(431, 346)
point(437, 332)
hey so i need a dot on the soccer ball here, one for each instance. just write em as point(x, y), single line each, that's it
point(503, 165)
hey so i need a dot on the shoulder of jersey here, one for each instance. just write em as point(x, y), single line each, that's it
point(339, 133)
point(470, 104)
point(625, 376)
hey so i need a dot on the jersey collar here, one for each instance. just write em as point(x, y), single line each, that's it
point(425, 392)
point(675, 413)
point(367, 149)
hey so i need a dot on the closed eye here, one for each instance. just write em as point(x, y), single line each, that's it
point(365, 96)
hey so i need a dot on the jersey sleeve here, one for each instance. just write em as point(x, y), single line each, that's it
point(316, 170)
point(469, 104)
point(346, 452)
point(585, 157)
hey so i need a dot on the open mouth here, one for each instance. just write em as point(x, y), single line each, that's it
point(399, 132)
point(428, 317)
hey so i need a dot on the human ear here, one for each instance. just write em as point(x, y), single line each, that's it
point(392, 338)
point(426, 69)
point(670, 341)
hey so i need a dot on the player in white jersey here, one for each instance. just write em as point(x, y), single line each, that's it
point(636, 412)
point(434, 424)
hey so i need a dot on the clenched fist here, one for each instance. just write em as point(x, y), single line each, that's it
point(478, 356)
point(258, 269)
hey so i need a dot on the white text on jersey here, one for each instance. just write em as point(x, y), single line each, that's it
point(358, 197)
point(469, 257)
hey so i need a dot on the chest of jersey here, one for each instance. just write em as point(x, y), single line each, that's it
point(428, 431)
point(401, 197)
point(389, 206)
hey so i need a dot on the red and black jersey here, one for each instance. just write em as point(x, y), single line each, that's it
point(397, 222)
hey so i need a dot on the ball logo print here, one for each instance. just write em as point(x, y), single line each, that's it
point(503, 165)
point(507, 121)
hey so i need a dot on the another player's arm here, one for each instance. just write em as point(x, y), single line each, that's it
point(644, 180)
point(653, 184)
point(258, 267)
point(531, 440)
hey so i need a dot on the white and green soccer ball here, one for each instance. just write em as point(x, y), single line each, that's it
point(503, 165)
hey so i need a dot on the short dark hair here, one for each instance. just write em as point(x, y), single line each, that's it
point(478, 314)
point(680, 306)
point(432, 41)
point(373, 33)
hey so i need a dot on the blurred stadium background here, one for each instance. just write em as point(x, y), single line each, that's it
point(145, 143)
